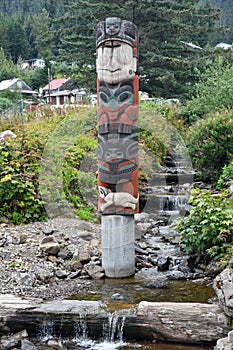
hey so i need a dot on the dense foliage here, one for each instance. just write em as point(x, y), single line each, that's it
point(208, 228)
point(214, 90)
point(226, 178)
point(210, 145)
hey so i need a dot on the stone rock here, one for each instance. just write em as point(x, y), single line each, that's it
point(54, 344)
point(225, 343)
point(43, 274)
point(64, 254)
point(7, 134)
point(117, 296)
point(25, 279)
point(62, 274)
point(144, 227)
point(163, 263)
point(27, 345)
point(49, 245)
point(13, 340)
point(75, 265)
point(84, 256)
point(75, 274)
point(94, 271)
point(141, 217)
point(158, 283)
point(223, 286)
point(48, 231)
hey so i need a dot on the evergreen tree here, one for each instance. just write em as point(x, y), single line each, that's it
point(43, 35)
point(167, 67)
point(7, 68)
point(18, 44)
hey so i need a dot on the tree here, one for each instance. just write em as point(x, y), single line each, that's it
point(43, 35)
point(18, 44)
point(7, 68)
point(214, 90)
point(167, 67)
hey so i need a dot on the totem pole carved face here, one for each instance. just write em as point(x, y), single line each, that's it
point(115, 62)
point(116, 51)
point(113, 25)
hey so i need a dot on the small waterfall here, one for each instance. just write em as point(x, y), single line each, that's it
point(111, 336)
point(81, 333)
point(113, 330)
point(46, 330)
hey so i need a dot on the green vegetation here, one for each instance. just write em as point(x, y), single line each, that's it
point(208, 228)
point(210, 145)
point(214, 90)
point(226, 177)
point(24, 161)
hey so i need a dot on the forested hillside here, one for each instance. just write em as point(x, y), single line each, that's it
point(63, 31)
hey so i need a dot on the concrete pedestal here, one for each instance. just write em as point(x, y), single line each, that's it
point(118, 251)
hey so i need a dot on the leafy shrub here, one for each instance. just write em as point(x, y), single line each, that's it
point(19, 199)
point(5, 103)
point(210, 145)
point(226, 176)
point(208, 228)
point(79, 180)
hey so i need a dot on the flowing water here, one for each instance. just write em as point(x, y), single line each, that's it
point(121, 295)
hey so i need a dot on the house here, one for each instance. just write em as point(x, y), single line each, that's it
point(57, 93)
point(223, 46)
point(17, 85)
point(33, 63)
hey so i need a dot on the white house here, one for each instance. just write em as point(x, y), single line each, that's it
point(56, 93)
point(17, 85)
point(33, 63)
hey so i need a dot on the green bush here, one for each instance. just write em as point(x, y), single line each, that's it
point(19, 163)
point(210, 145)
point(225, 177)
point(208, 228)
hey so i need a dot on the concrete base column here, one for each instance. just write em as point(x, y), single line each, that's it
point(118, 251)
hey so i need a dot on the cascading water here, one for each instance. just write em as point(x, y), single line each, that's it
point(111, 336)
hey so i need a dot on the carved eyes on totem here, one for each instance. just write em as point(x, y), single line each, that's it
point(113, 154)
point(121, 95)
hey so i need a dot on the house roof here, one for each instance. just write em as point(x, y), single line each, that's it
point(55, 84)
point(67, 93)
point(223, 46)
point(33, 59)
point(15, 84)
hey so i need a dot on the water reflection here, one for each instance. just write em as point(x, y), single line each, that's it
point(129, 292)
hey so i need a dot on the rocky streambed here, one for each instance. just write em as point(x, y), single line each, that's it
point(53, 259)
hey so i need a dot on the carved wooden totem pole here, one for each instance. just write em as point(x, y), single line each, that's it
point(117, 91)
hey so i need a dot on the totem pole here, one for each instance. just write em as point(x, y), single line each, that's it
point(117, 93)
